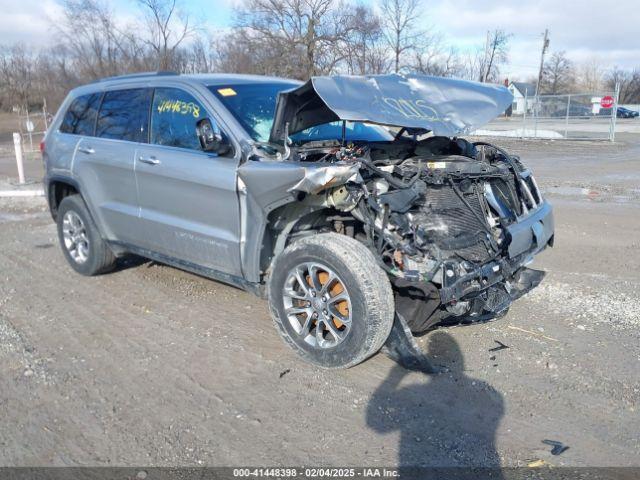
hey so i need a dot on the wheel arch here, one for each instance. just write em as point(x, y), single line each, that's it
point(59, 188)
point(282, 225)
point(297, 220)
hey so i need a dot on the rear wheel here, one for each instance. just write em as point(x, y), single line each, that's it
point(330, 300)
point(81, 242)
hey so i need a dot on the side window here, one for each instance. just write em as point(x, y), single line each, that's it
point(124, 115)
point(80, 118)
point(174, 115)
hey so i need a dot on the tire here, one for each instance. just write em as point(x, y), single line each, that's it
point(81, 243)
point(370, 306)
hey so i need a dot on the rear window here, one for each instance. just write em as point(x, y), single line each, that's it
point(80, 118)
point(124, 115)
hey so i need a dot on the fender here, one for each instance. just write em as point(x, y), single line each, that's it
point(50, 179)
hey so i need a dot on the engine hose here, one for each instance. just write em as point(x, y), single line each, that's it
point(390, 178)
point(509, 161)
point(504, 153)
point(369, 230)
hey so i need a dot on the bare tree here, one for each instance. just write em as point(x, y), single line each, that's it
point(496, 52)
point(434, 58)
point(471, 64)
point(17, 75)
point(591, 75)
point(298, 38)
point(90, 37)
point(628, 82)
point(234, 52)
point(168, 28)
point(198, 56)
point(557, 75)
point(365, 54)
point(400, 26)
point(291, 38)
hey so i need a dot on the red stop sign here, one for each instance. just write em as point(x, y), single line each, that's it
point(606, 102)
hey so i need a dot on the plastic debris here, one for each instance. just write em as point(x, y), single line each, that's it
point(284, 372)
point(501, 346)
point(558, 447)
point(401, 346)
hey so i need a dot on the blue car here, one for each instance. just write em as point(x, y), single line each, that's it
point(626, 113)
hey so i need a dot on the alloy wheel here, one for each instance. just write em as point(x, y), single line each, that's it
point(317, 305)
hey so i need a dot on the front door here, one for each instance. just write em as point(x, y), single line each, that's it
point(188, 203)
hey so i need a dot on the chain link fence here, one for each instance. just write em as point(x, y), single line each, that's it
point(586, 116)
point(32, 125)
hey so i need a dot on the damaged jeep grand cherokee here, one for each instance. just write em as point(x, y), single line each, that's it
point(350, 202)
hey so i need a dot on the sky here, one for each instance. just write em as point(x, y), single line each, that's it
point(586, 30)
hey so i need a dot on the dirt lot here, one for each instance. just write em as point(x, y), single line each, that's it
point(153, 366)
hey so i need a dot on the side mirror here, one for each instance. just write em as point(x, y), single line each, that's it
point(210, 137)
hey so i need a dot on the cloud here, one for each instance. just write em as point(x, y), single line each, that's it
point(584, 28)
point(27, 21)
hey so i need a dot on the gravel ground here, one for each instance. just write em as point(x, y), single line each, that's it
point(153, 366)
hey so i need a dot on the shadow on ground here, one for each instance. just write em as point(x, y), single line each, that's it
point(445, 420)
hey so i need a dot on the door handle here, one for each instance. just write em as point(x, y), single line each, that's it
point(87, 150)
point(150, 160)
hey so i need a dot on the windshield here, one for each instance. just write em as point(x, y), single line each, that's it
point(353, 131)
point(253, 106)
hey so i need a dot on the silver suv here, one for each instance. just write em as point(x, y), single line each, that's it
point(347, 201)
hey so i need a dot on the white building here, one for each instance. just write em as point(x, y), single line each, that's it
point(520, 90)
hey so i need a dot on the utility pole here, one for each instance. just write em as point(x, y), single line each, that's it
point(545, 46)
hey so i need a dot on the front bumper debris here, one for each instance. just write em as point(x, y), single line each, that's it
point(532, 233)
point(528, 237)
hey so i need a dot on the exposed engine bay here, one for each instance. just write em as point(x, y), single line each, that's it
point(452, 222)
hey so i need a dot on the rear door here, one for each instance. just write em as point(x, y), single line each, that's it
point(79, 121)
point(188, 202)
point(104, 163)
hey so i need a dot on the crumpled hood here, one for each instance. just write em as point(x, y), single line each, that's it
point(445, 106)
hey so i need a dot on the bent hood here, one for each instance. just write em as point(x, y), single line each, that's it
point(445, 106)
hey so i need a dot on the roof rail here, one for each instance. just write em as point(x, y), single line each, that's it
point(138, 75)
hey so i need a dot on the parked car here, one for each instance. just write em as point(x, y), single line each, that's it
point(626, 113)
point(578, 110)
point(621, 112)
point(346, 201)
point(559, 109)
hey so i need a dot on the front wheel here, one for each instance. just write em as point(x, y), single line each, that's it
point(330, 300)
